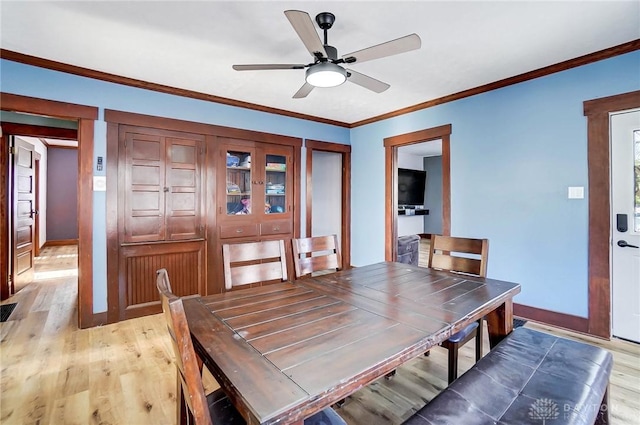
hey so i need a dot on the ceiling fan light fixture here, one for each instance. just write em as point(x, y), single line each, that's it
point(326, 74)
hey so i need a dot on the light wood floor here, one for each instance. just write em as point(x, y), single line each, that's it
point(53, 373)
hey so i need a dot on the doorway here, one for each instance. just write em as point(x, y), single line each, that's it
point(85, 117)
point(41, 216)
point(328, 184)
point(392, 145)
point(597, 112)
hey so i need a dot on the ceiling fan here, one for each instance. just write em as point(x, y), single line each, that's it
point(326, 69)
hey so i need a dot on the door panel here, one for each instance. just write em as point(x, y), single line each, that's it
point(625, 201)
point(184, 196)
point(23, 197)
point(144, 188)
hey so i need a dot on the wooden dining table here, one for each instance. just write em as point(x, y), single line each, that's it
point(285, 351)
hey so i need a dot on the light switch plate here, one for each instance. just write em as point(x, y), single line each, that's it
point(99, 183)
point(576, 192)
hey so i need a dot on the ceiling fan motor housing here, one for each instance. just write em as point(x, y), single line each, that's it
point(325, 20)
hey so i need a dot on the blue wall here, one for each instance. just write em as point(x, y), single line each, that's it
point(514, 153)
point(42, 83)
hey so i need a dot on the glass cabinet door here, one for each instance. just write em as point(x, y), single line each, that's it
point(275, 184)
point(239, 180)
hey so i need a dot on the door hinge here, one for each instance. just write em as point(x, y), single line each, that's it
point(12, 150)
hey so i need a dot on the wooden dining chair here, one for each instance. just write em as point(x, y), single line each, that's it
point(316, 254)
point(193, 406)
point(252, 262)
point(467, 256)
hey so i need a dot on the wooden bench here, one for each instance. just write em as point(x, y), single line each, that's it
point(529, 378)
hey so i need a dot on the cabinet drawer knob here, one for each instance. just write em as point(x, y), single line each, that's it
point(276, 228)
point(238, 230)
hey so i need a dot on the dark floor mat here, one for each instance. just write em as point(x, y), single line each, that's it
point(518, 322)
point(6, 310)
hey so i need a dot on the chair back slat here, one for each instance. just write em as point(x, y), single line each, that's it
point(315, 254)
point(185, 356)
point(443, 250)
point(271, 256)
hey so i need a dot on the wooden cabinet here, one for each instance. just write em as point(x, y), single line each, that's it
point(256, 186)
point(175, 194)
point(162, 187)
point(161, 212)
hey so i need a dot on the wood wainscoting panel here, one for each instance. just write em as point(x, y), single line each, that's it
point(138, 293)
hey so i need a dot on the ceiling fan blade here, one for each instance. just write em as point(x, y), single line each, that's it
point(390, 48)
point(366, 81)
point(304, 91)
point(302, 23)
point(268, 66)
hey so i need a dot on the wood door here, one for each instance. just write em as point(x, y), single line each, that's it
point(23, 214)
point(182, 185)
point(144, 187)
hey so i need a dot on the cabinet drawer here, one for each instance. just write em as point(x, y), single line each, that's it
point(275, 227)
point(238, 230)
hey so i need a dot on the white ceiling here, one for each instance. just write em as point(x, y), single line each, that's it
point(50, 142)
point(192, 45)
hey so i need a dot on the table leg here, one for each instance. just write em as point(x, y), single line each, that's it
point(500, 322)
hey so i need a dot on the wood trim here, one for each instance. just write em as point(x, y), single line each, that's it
point(52, 108)
point(446, 183)
point(132, 82)
point(419, 136)
point(85, 222)
point(103, 76)
point(4, 216)
point(309, 190)
point(141, 120)
point(100, 319)
point(345, 150)
point(391, 202)
point(597, 112)
point(391, 145)
point(210, 187)
point(85, 115)
point(541, 72)
point(113, 252)
point(561, 320)
point(606, 105)
point(327, 146)
point(297, 198)
point(60, 242)
point(346, 211)
point(39, 131)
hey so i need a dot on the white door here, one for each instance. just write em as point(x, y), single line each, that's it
point(625, 206)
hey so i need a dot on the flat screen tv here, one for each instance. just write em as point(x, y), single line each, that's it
point(411, 187)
